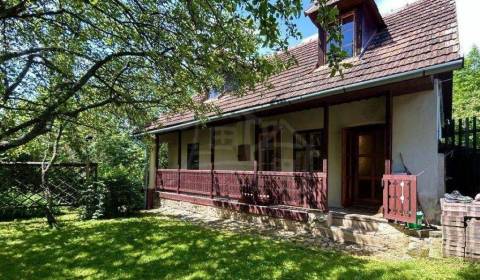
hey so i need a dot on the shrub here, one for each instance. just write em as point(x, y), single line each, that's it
point(124, 196)
point(111, 197)
point(93, 200)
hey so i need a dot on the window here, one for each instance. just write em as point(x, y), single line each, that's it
point(270, 150)
point(243, 152)
point(348, 32)
point(193, 156)
point(307, 151)
point(213, 94)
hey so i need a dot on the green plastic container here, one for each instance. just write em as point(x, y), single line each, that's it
point(418, 221)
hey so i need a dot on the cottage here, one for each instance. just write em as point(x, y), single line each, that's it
point(369, 140)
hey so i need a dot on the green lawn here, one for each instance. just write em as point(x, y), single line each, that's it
point(162, 248)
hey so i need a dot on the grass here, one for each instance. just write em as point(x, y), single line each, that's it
point(160, 248)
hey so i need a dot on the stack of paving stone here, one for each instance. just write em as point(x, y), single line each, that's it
point(453, 229)
point(472, 236)
point(461, 230)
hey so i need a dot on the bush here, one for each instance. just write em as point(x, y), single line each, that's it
point(93, 201)
point(111, 197)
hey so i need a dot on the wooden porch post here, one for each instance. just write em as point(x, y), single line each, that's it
point(388, 125)
point(157, 148)
point(212, 158)
point(325, 131)
point(256, 153)
point(179, 158)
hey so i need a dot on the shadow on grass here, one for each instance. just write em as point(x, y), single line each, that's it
point(154, 248)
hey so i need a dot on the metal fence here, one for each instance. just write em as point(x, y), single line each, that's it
point(461, 146)
point(21, 184)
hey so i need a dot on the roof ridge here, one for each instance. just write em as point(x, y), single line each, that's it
point(394, 12)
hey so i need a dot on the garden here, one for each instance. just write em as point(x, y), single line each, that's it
point(159, 247)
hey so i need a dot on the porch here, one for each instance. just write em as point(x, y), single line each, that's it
point(291, 195)
point(350, 153)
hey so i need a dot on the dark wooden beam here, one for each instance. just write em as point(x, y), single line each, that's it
point(388, 125)
point(179, 160)
point(256, 140)
point(212, 147)
point(179, 155)
point(326, 128)
point(157, 149)
point(212, 159)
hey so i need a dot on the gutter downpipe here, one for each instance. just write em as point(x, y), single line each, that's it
point(419, 73)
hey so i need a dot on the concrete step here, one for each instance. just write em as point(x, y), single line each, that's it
point(347, 235)
point(357, 222)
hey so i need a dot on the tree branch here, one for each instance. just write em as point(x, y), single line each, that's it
point(9, 90)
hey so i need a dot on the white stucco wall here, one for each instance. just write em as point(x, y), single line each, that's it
point(415, 137)
point(364, 112)
point(228, 137)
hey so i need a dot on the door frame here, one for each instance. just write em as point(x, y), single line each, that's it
point(347, 192)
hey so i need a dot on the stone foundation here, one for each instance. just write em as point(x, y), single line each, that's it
point(358, 234)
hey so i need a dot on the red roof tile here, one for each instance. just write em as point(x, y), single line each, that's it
point(422, 34)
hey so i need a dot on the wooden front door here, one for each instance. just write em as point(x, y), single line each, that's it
point(363, 166)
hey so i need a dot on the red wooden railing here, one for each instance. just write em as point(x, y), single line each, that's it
point(400, 197)
point(233, 184)
point(301, 189)
point(167, 179)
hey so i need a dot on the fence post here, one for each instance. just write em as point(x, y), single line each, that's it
point(452, 130)
point(467, 132)
point(474, 133)
point(388, 167)
point(460, 132)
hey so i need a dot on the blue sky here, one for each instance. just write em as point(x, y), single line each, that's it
point(466, 10)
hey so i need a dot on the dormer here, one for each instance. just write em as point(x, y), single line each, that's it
point(360, 20)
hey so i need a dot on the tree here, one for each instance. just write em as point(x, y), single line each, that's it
point(133, 59)
point(466, 87)
point(45, 167)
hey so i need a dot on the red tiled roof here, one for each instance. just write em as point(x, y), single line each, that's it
point(422, 34)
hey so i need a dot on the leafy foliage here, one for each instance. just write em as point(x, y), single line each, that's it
point(328, 19)
point(466, 87)
point(65, 58)
point(133, 59)
point(113, 197)
point(92, 203)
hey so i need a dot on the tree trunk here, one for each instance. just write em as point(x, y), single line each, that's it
point(49, 207)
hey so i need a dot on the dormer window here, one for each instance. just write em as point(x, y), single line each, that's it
point(213, 94)
point(359, 19)
point(348, 32)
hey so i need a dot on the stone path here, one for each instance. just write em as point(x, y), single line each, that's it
point(302, 237)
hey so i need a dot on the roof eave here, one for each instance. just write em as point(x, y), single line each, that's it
point(418, 73)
